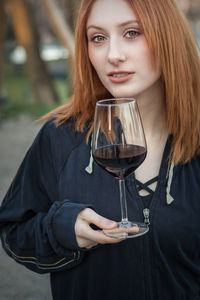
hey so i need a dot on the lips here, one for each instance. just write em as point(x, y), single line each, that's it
point(120, 76)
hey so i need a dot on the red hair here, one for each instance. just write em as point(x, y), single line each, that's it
point(173, 47)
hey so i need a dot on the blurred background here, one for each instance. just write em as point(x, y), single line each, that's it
point(37, 53)
point(36, 75)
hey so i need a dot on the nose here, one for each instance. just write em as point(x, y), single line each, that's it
point(115, 53)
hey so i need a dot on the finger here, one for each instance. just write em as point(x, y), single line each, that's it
point(96, 236)
point(84, 243)
point(121, 232)
point(91, 245)
point(93, 218)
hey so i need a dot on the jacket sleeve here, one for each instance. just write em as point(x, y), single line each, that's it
point(37, 229)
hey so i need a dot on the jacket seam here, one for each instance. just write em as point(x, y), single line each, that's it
point(33, 259)
point(65, 161)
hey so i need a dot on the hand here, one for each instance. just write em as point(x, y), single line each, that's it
point(87, 237)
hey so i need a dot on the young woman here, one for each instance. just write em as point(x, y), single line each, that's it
point(59, 197)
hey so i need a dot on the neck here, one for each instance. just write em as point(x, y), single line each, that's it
point(152, 108)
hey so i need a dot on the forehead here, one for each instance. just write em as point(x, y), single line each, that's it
point(104, 12)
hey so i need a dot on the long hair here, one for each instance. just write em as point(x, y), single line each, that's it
point(173, 47)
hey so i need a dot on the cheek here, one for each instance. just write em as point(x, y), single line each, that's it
point(96, 59)
point(93, 57)
point(90, 54)
point(142, 54)
point(144, 57)
point(147, 65)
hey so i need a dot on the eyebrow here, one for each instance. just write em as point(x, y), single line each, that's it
point(135, 22)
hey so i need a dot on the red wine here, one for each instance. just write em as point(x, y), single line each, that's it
point(120, 160)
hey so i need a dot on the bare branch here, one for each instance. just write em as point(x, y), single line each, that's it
point(60, 26)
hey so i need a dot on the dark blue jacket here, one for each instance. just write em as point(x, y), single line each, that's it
point(52, 186)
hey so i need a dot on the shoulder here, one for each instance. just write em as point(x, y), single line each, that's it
point(191, 169)
point(64, 134)
point(58, 142)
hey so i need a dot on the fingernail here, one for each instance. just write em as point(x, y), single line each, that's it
point(110, 223)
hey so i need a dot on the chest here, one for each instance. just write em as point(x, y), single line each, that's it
point(150, 168)
point(172, 244)
point(101, 191)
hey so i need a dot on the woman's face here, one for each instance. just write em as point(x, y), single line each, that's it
point(118, 50)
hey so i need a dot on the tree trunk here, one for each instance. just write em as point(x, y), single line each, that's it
point(2, 39)
point(63, 32)
point(71, 11)
point(26, 36)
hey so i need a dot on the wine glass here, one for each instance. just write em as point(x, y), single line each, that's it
point(119, 147)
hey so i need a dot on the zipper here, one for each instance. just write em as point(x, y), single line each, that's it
point(147, 258)
point(146, 213)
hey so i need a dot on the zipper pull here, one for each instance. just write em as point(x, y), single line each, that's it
point(146, 213)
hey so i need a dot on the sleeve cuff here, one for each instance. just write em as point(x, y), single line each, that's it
point(60, 225)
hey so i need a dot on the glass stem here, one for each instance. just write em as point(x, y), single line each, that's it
point(122, 193)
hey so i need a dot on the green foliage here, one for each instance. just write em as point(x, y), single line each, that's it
point(20, 98)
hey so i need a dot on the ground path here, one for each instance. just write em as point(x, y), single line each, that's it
point(16, 282)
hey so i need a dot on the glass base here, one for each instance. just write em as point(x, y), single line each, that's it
point(126, 230)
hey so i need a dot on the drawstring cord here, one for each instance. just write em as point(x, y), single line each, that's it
point(170, 199)
point(89, 168)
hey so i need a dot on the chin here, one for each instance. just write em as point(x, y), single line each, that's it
point(122, 95)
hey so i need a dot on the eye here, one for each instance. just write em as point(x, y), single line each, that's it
point(132, 34)
point(97, 38)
